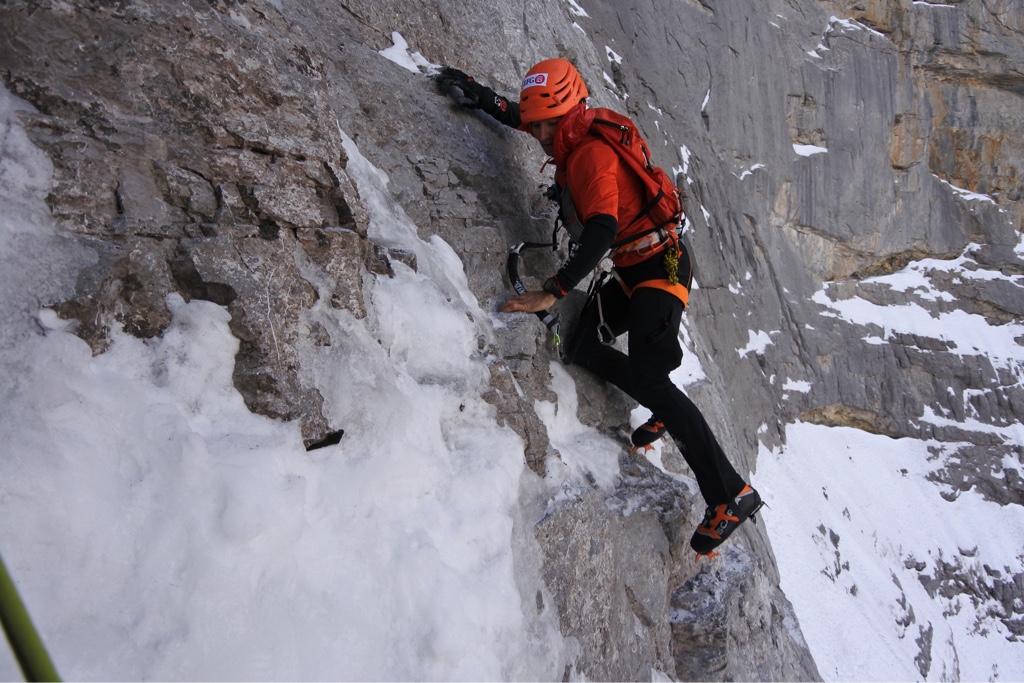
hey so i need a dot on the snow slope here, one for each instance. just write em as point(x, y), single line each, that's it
point(861, 532)
point(159, 530)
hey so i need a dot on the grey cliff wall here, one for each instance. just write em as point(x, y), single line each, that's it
point(197, 149)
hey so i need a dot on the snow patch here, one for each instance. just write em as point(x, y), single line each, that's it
point(750, 171)
point(585, 455)
point(854, 568)
point(837, 25)
point(400, 55)
point(808, 150)
point(799, 386)
point(759, 342)
point(965, 333)
point(690, 371)
point(576, 10)
point(966, 194)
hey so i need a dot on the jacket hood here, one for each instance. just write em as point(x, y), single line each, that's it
point(572, 129)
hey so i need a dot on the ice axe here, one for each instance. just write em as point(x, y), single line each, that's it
point(551, 320)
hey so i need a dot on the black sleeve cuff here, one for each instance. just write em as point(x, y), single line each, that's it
point(598, 235)
point(501, 109)
point(551, 286)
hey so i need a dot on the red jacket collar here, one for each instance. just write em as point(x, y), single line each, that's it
point(572, 129)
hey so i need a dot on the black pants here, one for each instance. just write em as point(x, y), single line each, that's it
point(652, 318)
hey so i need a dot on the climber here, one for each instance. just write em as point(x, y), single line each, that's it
point(602, 201)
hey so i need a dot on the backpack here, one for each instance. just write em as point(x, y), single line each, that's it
point(664, 206)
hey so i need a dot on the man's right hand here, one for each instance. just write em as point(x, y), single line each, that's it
point(531, 302)
point(466, 91)
point(462, 87)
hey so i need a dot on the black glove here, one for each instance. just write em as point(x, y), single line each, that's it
point(464, 89)
point(461, 86)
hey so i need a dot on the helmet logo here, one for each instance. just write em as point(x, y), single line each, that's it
point(534, 79)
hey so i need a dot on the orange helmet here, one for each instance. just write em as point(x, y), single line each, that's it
point(550, 89)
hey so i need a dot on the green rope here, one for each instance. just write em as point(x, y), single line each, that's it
point(25, 642)
point(672, 265)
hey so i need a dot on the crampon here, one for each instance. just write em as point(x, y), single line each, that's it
point(721, 520)
point(645, 435)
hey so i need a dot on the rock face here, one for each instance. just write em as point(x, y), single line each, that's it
point(198, 149)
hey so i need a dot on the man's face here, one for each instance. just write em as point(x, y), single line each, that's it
point(544, 131)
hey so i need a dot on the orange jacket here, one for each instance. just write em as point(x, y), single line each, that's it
point(600, 182)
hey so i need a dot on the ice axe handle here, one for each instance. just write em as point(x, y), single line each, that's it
point(512, 268)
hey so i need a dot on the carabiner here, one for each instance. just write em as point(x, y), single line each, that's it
point(605, 334)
